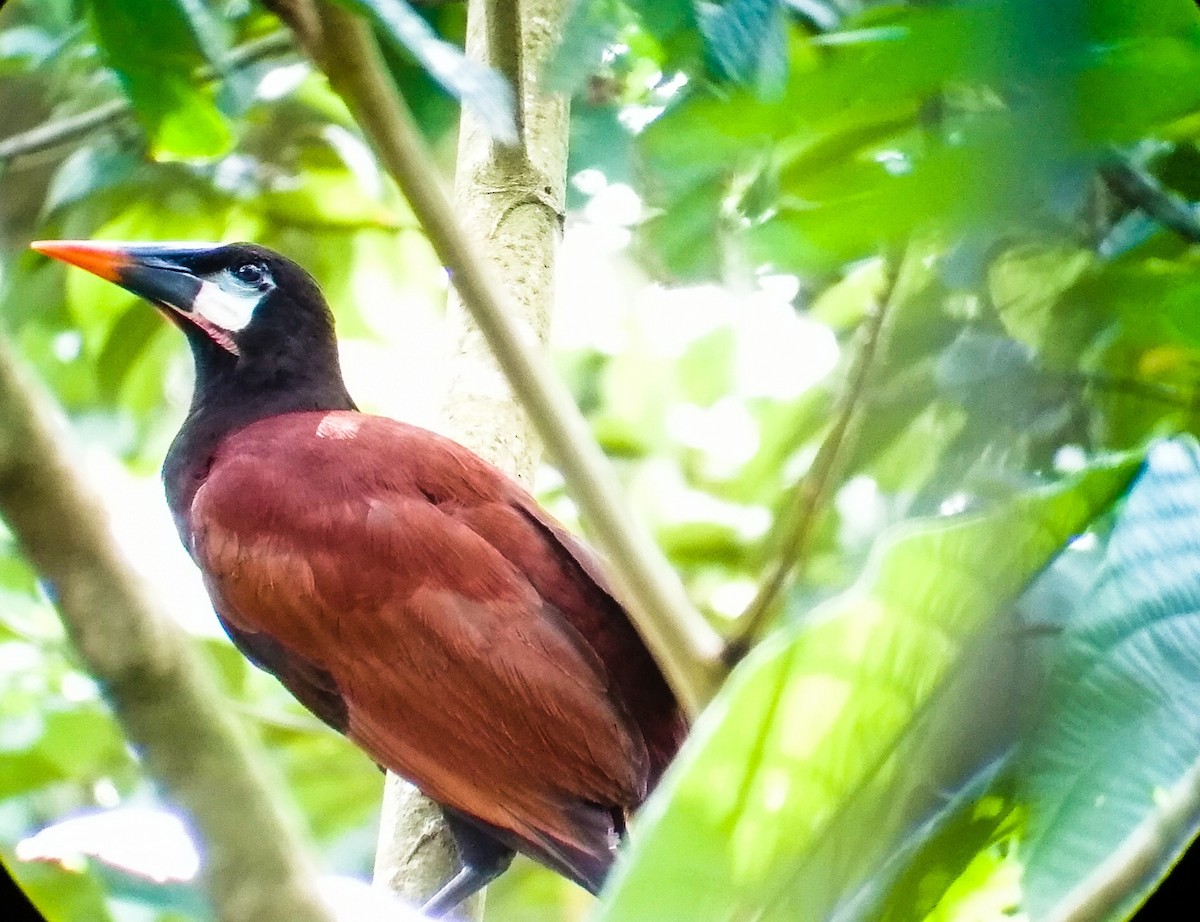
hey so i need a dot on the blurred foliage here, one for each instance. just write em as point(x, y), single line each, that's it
point(935, 731)
point(789, 832)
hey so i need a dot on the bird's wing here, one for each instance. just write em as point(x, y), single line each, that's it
point(347, 555)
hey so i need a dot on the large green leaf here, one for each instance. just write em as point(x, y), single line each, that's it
point(821, 748)
point(88, 170)
point(1026, 284)
point(665, 19)
point(960, 864)
point(59, 894)
point(914, 118)
point(480, 88)
point(155, 46)
point(1112, 778)
point(589, 27)
point(746, 42)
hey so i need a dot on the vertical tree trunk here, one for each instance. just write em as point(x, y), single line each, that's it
point(511, 200)
point(255, 866)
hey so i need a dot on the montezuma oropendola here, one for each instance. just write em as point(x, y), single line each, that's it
point(408, 593)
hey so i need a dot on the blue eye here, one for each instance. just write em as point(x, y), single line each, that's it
point(250, 273)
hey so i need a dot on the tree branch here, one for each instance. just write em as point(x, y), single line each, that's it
point(64, 131)
point(1141, 190)
point(813, 490)
point(682, 642)
point(166, 701)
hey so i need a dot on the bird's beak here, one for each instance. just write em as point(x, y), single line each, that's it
point(154, 271)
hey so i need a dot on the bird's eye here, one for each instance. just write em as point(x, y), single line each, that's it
point(250, 273)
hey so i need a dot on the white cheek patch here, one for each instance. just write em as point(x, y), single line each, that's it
point(226, 310)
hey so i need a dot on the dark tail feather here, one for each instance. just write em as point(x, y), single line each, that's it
point(586, 861)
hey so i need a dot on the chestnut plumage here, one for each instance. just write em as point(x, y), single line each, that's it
point(406, 592)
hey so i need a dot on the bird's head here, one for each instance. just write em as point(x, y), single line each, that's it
point(241, 306)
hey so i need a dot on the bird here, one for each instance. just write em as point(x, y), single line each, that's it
point(408, 593)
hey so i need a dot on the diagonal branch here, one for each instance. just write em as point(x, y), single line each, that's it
point(683, 643)
point(165, 700)
point(112, 112)
point(64, 131)
point(813, 490)
point(1141, 190)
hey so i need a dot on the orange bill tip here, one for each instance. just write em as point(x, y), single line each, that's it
point(103, 259)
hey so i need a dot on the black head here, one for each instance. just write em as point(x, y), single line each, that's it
point(256, 321)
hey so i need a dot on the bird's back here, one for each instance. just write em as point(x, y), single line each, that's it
point(419, 601)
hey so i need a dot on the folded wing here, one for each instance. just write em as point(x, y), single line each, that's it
point(405, 592)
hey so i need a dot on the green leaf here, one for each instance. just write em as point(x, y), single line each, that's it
point(335, 784)
point(480, 88)
point(960, 864)
point(590, 27)
point(1139, 86)
point(707, 367)
point(702, 137)
point(227, 664)
point(692, 542)
point(663, 18)
point(1112, 776)
point(88, 170)
point(332, 197)
point(155, 48)
point(844, 304)
point(529, 892)
point(83, 742)
point(685, 241)
point(746, 42)
point(125, 345)
point(61, 895)
point(797, 778)
point(16, 575)
point(1027, 282)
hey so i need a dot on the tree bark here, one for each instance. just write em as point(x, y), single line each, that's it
point(166, 701)
point(511, 201)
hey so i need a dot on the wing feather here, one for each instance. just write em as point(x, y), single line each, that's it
point(369, 571)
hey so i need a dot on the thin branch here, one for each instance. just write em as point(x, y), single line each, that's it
point(1141, 190)
point(682, 642)
point(1152, 391)
point(813, 490)
point(64, 131)
point(166, 701)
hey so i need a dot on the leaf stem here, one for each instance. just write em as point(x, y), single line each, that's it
point(811, 493)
